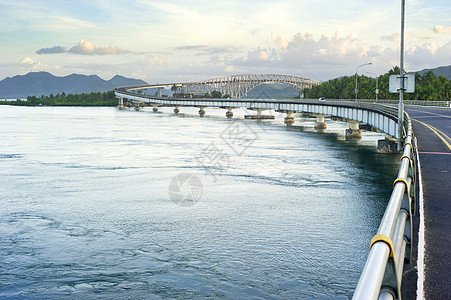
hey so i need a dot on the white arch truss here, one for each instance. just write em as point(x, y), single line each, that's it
point(237, 86)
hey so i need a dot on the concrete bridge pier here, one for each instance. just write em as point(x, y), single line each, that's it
point(137, 107)
point(121, 103)
point(354, 130)
point(159, 92)
point(229, 113)
point(201, 111)
point(176, 110)
point(260, 115)
point(320, 123)
point(289, 119)
point(387, 145)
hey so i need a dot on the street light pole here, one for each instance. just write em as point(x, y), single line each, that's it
point(356, 80)
point(401, 75)
point(377, 86)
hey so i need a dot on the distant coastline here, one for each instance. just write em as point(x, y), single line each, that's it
point(91, 99)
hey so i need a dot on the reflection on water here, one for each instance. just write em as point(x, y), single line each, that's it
point(85, 209)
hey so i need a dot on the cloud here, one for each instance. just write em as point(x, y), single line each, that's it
point(27, 61)
point(395, 37)
point(441, 29)
point(189, 48)
point(337, 55)
point(51, 50)
point(84, 47)
point(208, 50)
point(278, 40)
point(260, 55)
point(28, 64)
point(87, 48)
point(150, 61)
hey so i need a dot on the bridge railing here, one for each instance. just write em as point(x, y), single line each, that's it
point(431, 103)
point(391, 247)
point(359, 102)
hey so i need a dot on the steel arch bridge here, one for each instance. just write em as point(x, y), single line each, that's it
point(235, 86)
point(238, 85)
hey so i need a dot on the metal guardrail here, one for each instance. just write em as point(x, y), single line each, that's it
point(391, 247)
point(385, 108)
point(360, 102)
point(410, 102)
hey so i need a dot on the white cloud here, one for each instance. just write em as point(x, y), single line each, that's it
point(441, 29)
point(151, 61)
point(30, 64)
point(87, 48)
point(278, 40)
point(23, 66)
point(394, 38)
point(26, 60)
point(84, 47)
point(337, 55)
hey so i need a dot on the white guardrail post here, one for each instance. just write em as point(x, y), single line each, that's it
point(391, 247)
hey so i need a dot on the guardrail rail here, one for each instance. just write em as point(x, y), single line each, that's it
point(391, 247)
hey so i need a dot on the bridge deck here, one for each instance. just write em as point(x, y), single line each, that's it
point(435, 159)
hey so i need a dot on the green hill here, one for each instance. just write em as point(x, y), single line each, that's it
point(44, 83)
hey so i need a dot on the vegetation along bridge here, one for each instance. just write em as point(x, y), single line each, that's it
point(392, 246)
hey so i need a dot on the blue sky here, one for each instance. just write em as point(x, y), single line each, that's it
point(178, 41)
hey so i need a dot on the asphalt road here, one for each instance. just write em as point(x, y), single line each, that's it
point(432, 127)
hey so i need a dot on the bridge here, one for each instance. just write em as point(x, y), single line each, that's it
point(235, 86)
point(392, 247)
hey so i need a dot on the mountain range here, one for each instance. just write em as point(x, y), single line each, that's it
point(445, 71)
point(271, 91)
point(44, 83)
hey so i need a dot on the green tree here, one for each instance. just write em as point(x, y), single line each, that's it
point(427, 87)
point(216, 94)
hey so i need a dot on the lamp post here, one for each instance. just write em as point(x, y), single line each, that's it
point(401, 73)
point(356, 80)
point(377, 87)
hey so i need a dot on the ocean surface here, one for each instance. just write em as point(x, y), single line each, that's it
point(100, 203)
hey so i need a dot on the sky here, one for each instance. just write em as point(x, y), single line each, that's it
point(180, 41)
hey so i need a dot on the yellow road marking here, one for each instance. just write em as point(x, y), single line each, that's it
point(436, 131)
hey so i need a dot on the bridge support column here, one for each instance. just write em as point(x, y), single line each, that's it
point(121, 103)
point(159, 92)
point(354, 130)
point(137, 107)
point(289, 120)
point(201, 112)
point(176, 110)
point(388, 145)
point(229, 113)
point(320, 123)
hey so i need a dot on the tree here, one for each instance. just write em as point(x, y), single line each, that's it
point(427, 87)
point(216, 94)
